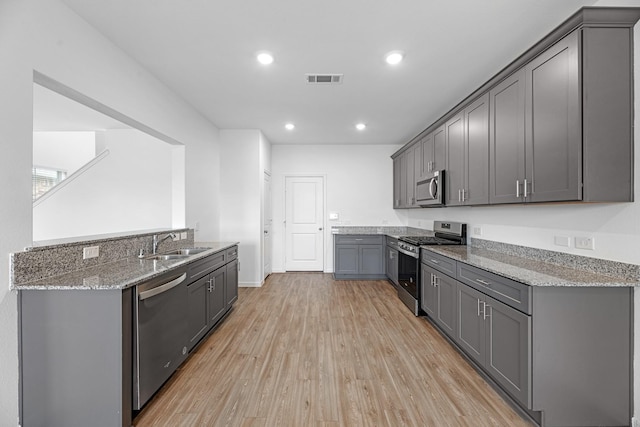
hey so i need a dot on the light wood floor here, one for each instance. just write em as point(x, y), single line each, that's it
point(305, 350)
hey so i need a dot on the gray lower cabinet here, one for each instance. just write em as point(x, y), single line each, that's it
point(359, 257)
point(231, 288)
point(438, 298)
point(498, 338)
point(392, 264)
point(212, 294)
point(562, 353)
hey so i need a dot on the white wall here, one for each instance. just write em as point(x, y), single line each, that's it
point(129, 190)
point(44, 35)
point(66, 151)
point(240, 199)
point(359, 187)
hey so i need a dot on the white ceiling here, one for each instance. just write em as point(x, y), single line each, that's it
point(205, 51)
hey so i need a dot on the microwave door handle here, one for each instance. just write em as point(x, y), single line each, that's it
point(433, 188)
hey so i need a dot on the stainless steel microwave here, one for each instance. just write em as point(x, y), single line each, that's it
point(430, 190)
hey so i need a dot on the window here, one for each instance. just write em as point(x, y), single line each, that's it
point(44, 179)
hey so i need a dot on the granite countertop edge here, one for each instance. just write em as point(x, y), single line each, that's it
point(528, 271)
point(119, 275)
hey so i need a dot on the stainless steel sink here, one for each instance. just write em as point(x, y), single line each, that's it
point(168, 257)
point(188, 251)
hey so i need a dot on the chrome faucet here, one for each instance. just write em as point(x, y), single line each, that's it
point(157, 241)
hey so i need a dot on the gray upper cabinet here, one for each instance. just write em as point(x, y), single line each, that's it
point(434, 151)
point(506, 140)
point(476, 189)
point(553, 125)
point(560, 121)
point(398, 195)
point(455, 172)
point(467, 172)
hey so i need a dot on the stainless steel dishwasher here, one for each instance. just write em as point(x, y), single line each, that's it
point(159, 332)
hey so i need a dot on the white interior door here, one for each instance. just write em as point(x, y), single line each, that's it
point(304, 216)
point(267, 221)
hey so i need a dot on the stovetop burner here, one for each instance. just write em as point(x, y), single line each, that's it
point(428, 240)
point(446, 233)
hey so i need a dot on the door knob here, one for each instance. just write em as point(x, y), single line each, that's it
point(320, 229)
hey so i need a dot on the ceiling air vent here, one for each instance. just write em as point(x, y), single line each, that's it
point(324, 79)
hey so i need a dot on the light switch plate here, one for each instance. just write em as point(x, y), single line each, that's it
point(334, 216)
point(562, 241)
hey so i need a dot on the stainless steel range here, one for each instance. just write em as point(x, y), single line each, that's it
point(445, 233)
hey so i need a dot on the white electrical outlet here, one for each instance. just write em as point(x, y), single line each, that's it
point(90, 252)
point(183, 235)
point(585, 243)
point(176, 237)
point(561, 241)
point(477, 231)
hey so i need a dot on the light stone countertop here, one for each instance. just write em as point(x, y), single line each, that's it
point(530, 271)
point(121, 274)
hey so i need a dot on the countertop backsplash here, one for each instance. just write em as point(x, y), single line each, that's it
point(40, 262)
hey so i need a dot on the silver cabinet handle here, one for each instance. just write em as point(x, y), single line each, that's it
point(478, 306)
point(463, 194)
point(485, 306)
point(525, 188)
point(517, 188)
point(434, 261)
point(162, 288)
point(357, 240)
point(459, 196)
point(483, 282)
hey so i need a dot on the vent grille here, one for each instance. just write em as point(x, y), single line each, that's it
point(324, 79)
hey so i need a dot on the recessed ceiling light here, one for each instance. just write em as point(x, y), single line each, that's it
point(290, 126)
point(394, 58)
point(265, 58)
point(361, 126)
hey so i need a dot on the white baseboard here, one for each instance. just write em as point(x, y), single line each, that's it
point(250, 284)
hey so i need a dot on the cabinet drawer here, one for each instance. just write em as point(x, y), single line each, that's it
point(232, 253)
point(356, 239)
point(512, 293)
point(206, 265)
point(439, 262)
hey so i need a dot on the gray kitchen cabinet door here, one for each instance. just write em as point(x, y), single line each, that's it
point(427, 154)
point(371, 259)
point(398, 172)
point(455, 173)
point(392, 265)
point(447, 308)
point(217, 305)
point(506, 140)
point(346, 259)
point(553, 124)
point(231, 285)
point(439, 149)
point(476, 189)
point(470, 333)
point(428, 292)
point(417, 171)
point(410, 176)
point(508, 345)
point(197, 316)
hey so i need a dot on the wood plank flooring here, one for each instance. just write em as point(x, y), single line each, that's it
point(305, 350)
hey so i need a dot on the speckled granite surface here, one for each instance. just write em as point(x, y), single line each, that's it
point(388, 231)
point(53, 260)
point(533, 267)
point(119, 274)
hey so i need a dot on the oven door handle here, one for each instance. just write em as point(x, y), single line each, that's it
point(162, 288)
point(411, 254)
